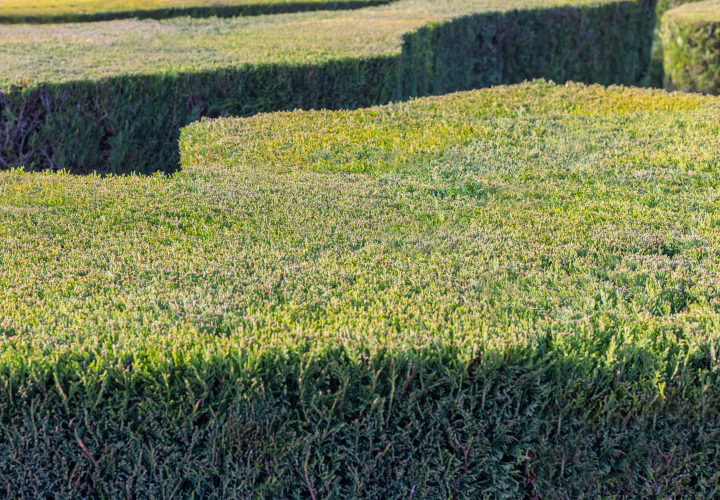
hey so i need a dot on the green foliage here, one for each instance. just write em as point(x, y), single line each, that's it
point(112, 98)
point(517, 297)
point(655, 74)
point(63, 11)
point(691, 40)
point(87, 126)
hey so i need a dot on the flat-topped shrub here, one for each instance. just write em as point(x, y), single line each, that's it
point(507, 293)
point(655, 76)
point(60, 11)
point(691, 44)
point(111, 97)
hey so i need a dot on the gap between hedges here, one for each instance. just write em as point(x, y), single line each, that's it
point(102, 126)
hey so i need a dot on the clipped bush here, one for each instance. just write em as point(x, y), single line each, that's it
point(691, 45)
point(124, 112)
point(543, 423)
point(506, 293)
point(655, 75)
point(65, 11)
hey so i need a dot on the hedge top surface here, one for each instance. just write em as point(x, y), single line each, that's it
point(700, 12)
point(574, 217)
point(69, 52)
point(17, 11)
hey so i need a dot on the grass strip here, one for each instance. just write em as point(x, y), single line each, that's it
point(691, 39)
point(64, 11)
point(111, 97)
point(504, 293)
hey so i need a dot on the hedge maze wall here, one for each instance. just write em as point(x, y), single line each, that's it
point(504, 293)
point(125, 123)
point(691, 46)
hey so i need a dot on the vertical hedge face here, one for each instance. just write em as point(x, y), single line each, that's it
point(654, 75)
point(518, 300)
point(691, 45)
point(131, 123)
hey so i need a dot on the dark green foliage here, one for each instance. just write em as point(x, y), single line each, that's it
point(131, 123)
point(691, 44)
point(519, 424)
point(606, 44)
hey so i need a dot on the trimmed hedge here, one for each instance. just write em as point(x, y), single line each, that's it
point(71, 12)
point(517, 298)
point(102, 126)
point(130, 123)
point(655, 76)
point(539, 423)
point(691, 44)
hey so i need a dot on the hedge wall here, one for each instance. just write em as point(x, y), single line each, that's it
point(606, 44)
point(691, 45)
point(543, 327)
point(655, 76)
point(65, 14)
point(131, 123)
point(536, 423)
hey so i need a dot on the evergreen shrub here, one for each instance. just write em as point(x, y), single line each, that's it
point(76, 11)
point(691, 45)
point(505, 293)
point(655, 75)
point(128, 120)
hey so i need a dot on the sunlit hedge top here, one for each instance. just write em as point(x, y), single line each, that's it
point(699, 12)
point(57, 53)
point(52, 11)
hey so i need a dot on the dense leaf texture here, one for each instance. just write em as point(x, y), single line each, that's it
point(509, 293)
point(59, 11)
point(691, 44)
point(112, 97)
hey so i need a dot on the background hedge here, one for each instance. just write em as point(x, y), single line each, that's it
point(691, 44)
point(131, 123)
point(655, 76)
point(69, 11)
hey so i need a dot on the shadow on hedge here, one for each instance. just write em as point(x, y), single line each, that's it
point(199, 12)
point(102, 126)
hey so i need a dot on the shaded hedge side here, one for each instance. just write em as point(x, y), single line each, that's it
point(518, 424)
point(131, 124)
point(655, 76)
point(691, 45)
point(606, 44)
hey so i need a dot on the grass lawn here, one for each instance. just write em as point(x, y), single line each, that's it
point(49, 11)
point(511, 290)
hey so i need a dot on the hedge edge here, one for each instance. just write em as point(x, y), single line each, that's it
point(102, 126)
point(533, 422)
point(692, 52)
